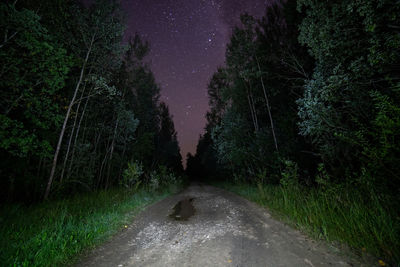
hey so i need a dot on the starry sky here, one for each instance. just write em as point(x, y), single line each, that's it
point(188, 40)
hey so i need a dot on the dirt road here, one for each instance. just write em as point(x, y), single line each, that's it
point(222, 230)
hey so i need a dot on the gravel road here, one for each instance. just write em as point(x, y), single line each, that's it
point(225, 230)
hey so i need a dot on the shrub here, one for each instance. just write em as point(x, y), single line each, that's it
point(289, 174)
point(131, 175)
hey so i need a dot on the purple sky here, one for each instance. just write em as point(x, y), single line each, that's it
point(188, 40)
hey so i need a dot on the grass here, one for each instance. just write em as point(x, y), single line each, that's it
point(343, 216)
point(56, 233)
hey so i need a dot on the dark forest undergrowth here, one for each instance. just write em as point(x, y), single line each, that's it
point(56, 233)
point(341, 217)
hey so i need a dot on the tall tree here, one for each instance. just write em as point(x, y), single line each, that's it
point(168, 149)
point(34, 70)
point(356, 47)
point(101, 31)
point(263, 78)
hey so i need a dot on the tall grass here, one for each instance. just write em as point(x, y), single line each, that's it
point(55, 233)
point(339, 215)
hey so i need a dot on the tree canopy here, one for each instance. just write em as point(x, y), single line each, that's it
point(77, 104)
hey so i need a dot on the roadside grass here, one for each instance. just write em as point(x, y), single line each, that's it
point(56, 233)
point(342, 216)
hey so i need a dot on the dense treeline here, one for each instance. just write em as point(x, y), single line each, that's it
point(310, 96)
point(323, 90)
point(80, 110)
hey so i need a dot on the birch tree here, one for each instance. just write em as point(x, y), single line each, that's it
point(100, 31)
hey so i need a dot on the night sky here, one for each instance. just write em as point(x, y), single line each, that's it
point(188, 40)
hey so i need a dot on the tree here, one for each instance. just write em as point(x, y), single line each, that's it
point(356, 47)
point(168, 149)
point(34, 70)
point(263, 78)
point(72, 89)
point(146, 93)
point(101, 31)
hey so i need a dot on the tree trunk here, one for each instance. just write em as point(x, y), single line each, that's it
point(252, 109)
point(70, 138)
point(60, 139)
point(112, 151)
point(108, 148)
point(122, 159)
point(122, 163)
point(268, 107)
point(76, 138)
point(92, 161)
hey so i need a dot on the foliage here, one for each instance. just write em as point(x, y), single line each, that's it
point(306, 112)
point(34, 69)
point(342, 215)
point(56, 233)
point(155, 181)
point(167, 145)
point(66, 61)
point(230, 140)
point(289, 174)
point(380, 144)
point(161, 178)
point(252, 122)
point(131, 175)
point(336, 104)
point(356, 47)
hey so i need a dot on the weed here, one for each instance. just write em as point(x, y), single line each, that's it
point(339, 214)
point(54, 233)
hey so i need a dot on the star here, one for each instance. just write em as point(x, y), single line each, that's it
point(187, 43)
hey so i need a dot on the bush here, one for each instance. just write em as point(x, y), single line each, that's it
point(155, 180)
point(131, 175)
point(289, 174)
point(161, 178)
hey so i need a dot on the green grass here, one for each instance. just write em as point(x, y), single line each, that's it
point(56, 233)
point(339, 216)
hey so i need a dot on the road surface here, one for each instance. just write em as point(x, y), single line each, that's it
point(224, 230)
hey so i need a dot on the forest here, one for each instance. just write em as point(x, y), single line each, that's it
point(304, 119)
point(80, 110)
point(80, 117)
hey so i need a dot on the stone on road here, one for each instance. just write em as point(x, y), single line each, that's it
point(223, 229)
